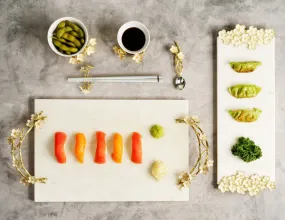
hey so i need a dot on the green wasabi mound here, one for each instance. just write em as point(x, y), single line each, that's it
point(157, 131)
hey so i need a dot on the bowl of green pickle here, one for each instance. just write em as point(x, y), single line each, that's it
point(67, 36)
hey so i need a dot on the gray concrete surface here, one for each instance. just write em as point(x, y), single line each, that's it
point(29, 69)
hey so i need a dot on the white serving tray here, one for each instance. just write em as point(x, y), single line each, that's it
point(111, 182)
point(262, 132)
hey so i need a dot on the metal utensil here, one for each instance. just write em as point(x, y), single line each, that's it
point(118, 79)
point(179, 82)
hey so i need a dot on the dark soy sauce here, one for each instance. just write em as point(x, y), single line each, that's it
point(133, 39)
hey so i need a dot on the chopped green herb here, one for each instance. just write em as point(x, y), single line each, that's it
point(247, 150)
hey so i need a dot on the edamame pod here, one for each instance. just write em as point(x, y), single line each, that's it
point(64, 47)
point(82, 40)
point(70, 44)
point(77, 29)
point(61, 25)
point(68, 53)
point(60, 39)
point(61, 31)
point(74, 34)
point(71, 38)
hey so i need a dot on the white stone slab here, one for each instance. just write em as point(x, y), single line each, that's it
point(262, 132)
point(111, 182)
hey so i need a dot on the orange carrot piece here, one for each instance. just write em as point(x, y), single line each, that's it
point(80, 147)
point(100, 155)
point(136, 148)
point(59, 141)
point(118, 148)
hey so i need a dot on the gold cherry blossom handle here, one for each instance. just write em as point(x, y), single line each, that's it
point(203, 162)
point(16, 140)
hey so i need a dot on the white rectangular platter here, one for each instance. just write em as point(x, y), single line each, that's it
point(262, 132)
point(110, 181)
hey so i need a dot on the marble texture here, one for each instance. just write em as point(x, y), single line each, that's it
point(29, 69)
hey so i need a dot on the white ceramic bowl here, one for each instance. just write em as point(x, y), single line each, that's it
point(53, 27)
point(138, 25)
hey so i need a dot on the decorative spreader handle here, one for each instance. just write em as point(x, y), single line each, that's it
point(16, 140)
point(179, 82)
point(203, 163)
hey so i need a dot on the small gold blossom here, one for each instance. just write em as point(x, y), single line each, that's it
point(138, 58)
point(180, 55)
point(192, 120)
point(210, 163)
point(92, 42)
point(16, 133)
point(204, 169)
point(80, 58)
point(88, 50)
point(120, 52)
point(24, 181)
point(174, 49)
point(185, 179)
point(73, 60)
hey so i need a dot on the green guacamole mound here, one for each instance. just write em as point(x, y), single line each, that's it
point(157, 131)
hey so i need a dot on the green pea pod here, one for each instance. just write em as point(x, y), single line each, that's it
point(77, 29)
point(64, 47)
point(60, 39)
point(61, 25)
point(82, 40)
point(61, 31)
point(71, 38)
point(73, 33)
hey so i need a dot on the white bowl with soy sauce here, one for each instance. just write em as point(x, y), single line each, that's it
point(51, 36)
point(133, 37)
